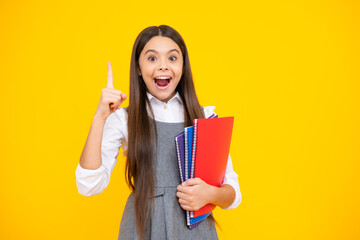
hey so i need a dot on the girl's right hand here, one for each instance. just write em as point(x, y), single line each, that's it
point(110, 99)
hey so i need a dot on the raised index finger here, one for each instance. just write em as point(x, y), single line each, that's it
point(109, 83)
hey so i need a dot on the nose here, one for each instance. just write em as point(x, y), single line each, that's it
point(163, 66)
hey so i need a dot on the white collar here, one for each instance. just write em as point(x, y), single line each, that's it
point(176, 96)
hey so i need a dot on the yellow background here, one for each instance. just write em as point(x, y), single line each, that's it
point(287, 70)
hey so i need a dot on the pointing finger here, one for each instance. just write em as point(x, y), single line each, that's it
point(109, 83)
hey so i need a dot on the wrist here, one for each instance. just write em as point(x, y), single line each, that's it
point(213, 194)
point(222, 196)
point(98, 118)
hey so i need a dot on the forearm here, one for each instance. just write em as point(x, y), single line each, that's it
point(222, 196)
point(91, 154)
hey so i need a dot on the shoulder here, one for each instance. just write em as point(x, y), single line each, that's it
point(208, 111)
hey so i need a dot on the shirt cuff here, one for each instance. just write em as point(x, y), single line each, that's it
point(91, 182)
point(237, 199)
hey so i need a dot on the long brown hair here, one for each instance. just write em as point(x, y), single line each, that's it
point(139, 164)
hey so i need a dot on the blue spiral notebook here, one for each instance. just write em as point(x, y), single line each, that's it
point(188, 151)
point(180, 151)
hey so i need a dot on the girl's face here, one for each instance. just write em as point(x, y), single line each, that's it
point(161, 66)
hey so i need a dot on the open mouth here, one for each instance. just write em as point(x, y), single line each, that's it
point(162, 82)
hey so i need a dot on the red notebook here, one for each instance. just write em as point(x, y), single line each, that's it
point(211, 145)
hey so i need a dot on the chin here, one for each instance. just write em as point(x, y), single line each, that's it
point(163, 96)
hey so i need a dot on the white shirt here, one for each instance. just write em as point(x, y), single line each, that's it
point(115, 135)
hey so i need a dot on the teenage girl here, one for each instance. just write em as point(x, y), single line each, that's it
point(162, 102)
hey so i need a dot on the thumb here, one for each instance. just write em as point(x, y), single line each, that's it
point(109, 83)
point(192, 181)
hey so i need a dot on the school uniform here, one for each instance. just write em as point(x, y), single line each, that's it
point(168, 219)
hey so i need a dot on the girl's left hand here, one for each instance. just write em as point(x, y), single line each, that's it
point(194, 193)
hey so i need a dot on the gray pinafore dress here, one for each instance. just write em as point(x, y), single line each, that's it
point(168, 219)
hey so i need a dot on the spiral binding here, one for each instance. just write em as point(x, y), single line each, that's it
point(186, 155)
point(179, 161)
point(193, 163)
point(186, 172)
point(195, 141)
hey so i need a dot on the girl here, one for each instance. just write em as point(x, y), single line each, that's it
point(162, 102)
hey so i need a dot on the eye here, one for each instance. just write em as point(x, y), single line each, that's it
point(152, 57)
point(174, 58)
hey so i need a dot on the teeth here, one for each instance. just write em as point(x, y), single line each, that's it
point(162, 78)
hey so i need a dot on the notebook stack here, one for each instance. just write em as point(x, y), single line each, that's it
point(202, 152)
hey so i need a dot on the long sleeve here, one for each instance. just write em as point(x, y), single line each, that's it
point(231, 178)
point(91, 182)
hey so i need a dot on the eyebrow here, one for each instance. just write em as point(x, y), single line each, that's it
point(152, 50)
